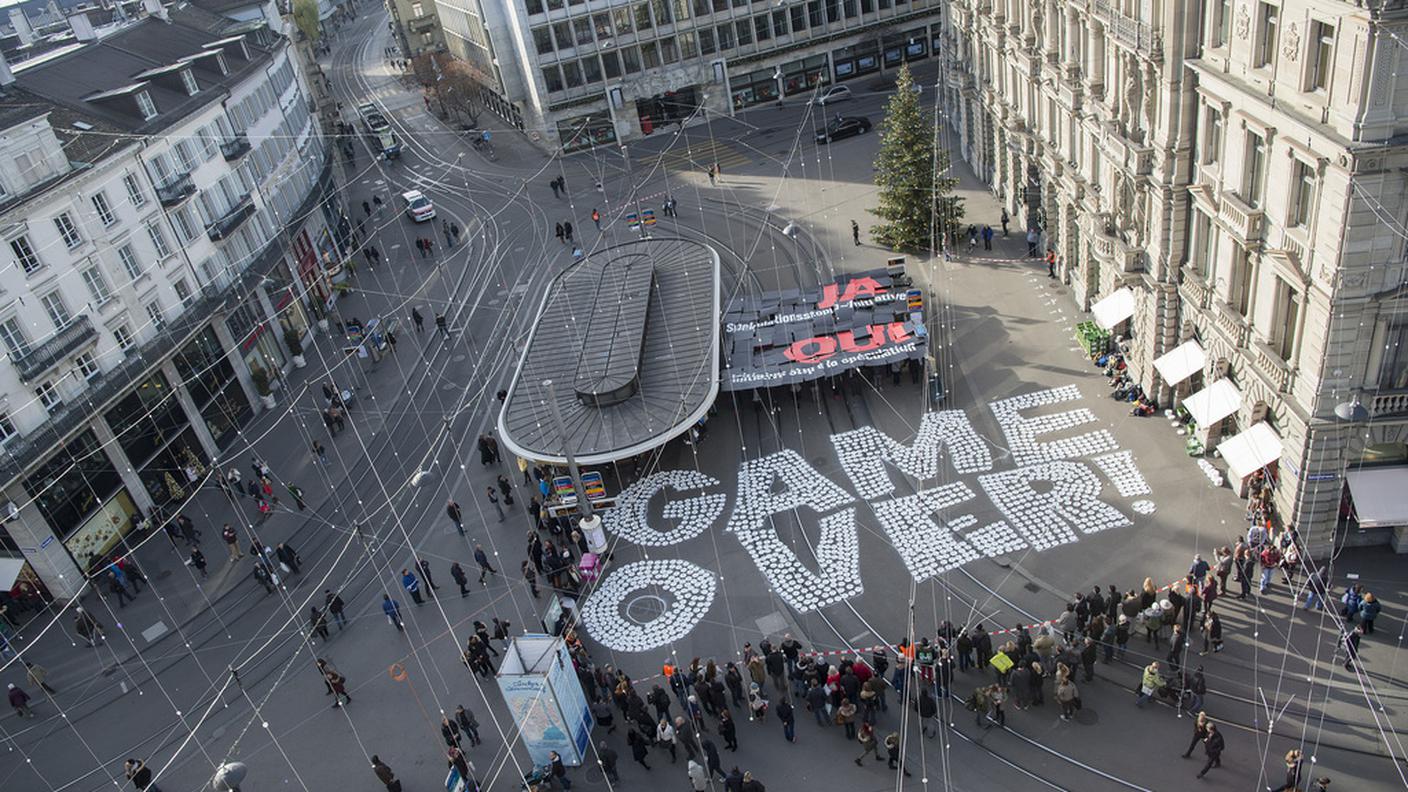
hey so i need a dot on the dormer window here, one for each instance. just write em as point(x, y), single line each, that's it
point(146, 105)
point(188, 80)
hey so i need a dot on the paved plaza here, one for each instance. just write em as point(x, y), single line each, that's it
point(1041, 486)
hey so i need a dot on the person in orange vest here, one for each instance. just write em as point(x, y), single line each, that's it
point(596, 218)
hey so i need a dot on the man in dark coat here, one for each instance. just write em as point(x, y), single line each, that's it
point(1213, 745)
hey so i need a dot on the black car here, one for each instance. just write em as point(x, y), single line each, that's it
point(842, 128)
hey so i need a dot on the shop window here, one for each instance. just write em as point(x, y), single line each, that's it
point(72, 485)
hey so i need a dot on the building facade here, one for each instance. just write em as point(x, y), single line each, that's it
point(578, 73)
point(1237, 165)
point(169, 207)
point(417, 26)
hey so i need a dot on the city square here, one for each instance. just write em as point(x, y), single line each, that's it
point(464, 424)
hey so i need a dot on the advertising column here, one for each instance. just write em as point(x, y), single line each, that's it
point(541, 689)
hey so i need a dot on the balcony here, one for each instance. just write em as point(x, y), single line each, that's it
point(234, 148)
point(1388, 402)
point(1133, 157)
point(74, 336)
point(178, 189)
point(1241, 219)
point(231, 220)
point(1127, 31)
point(1271, 367)
point(1232, 324)
point(1194, 291)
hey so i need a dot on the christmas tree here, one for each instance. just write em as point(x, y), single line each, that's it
point(915, 195)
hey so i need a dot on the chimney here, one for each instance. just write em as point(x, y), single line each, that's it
point(155, 8)
point(82, 28)
point(7, 77)
point(23, 29)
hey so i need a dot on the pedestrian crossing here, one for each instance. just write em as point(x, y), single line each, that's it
point(699, 155)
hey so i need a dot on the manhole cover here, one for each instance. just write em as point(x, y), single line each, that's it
point(645, 608)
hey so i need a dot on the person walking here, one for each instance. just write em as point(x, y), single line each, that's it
point(338, 684)
point(1068, 696)
point(424, 567)
point(530, 575)
point(698, 779)
point(987, 237)
point(1351, 646)
point(20, 701)
point(1212, 746)
point(855, 233)
point(1293, 772)
point(1150, 684)
point(332, 602)
point(468, 724)
point(288, 558)
point(596, 218)
point(493, 498)
point(232, 542)
point(296, 492)
point(1032, 240)
point(412, 586)
point(1200, 733)
point(892, 751)
point(868, 744)
point(1270, 561)
point(1006, 218)
point(116, 588)
point(384, 775)
point(318, 623)
point(417, 320)
point(440, 325)
point(482, 559)
point(37, 674)
point(392, 609)
point(506, 488)
point(450, 731)
point(558, 770)
point(567, 231)
point(1212, 632)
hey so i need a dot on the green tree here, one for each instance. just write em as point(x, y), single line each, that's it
point(916, 199)
point(305, 16)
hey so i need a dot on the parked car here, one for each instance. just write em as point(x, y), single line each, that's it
point(843, 128)
point(834, 94)
point(418, 206)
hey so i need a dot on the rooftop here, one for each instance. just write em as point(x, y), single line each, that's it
point(630, 336)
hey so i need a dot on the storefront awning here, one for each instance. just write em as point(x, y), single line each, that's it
point(10, 572)
point(1378, 496)
point(1180, 363)
point(1251, 450)
point(1114, 309)
point(1213, 403)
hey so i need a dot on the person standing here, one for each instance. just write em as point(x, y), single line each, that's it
point(1293, 771)
point(639, 749)
point(337, 683)
point(198, 562)
point(232, 542)
point(482, 559)
point(1050, 263)
point(1270, 562)
point(450, 730)
point(457, 574)
point(297, 493)
point(318, 623)
point(417, 320)
point(1068, 696)
point(596, 218)
point(698, 779)
point(559, 770)
point(1212, 745)
point(20, 701)
point(392, 609)
point(468, 724)
point(1006, 218)
point(506, 488)
point(607, 758)
point(987, 237)
point(384, 774)
point(333, 603)
point(855, 233)
point(140, 775)
point(1212, 632)
point(1031, 243)
point(412, 586)
point(288, 557)
point(789, 720)
point(424, 566)
point(868, 745)
point(440, 326)
point(1368, 611)
point(494, 499)
point(452, 510)
point(567, 230)
point(530, 575)
point(728, 730)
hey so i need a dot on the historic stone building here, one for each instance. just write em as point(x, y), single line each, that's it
point(1238, 165)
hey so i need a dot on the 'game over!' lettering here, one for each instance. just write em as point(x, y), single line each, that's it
point(1049, 499)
